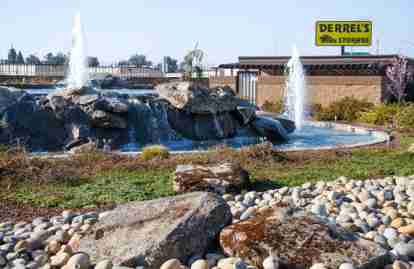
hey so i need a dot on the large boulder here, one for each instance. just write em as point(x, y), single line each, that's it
point(299, 239)
point(219, 179)
point(197, 99)
point(152, 232)
point(37, 128)
point(9, 96)
point(270, 128)
point(113, 105)
point(203, 126)
point(102, 119)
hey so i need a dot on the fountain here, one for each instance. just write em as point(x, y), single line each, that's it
point(295, 90)
point(78, 70)
point(211, 117)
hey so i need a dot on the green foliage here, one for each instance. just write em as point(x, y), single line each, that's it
point(405, 117)
point(346, 109)
point(155, 152)
point(384, 114)
point(276, 107)
point(116, 186)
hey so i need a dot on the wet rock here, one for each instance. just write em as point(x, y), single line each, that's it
point(270, 128)
point(104, 119)
point(114, 105)
point(299, 239)
point(148, 233)
point(219, 179)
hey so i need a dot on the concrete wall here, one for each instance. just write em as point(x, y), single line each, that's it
point(322, 89)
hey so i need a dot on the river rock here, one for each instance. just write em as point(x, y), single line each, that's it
point(219, 179)
point(151, 232)
point(78, 261)
point(299, 239)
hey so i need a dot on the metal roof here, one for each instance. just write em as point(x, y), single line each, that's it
point(348, 61)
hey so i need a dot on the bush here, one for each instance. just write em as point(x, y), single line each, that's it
point(405, 117)
point(276, 107)
point(155, 151)
point(346, 109)
point(384, 114)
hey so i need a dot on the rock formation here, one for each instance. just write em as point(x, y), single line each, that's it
point(219, 179)
point(149, 233)
point(182, 111)
point(300, 240)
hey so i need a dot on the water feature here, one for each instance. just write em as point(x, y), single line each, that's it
point(295, 93)
point(78, 70)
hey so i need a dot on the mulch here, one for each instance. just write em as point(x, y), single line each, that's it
point(15, 211)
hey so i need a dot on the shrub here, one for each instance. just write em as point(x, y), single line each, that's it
point(155, 151)
point(276, 107)
point(346, 109)
point(384, 114)
point(405, 117)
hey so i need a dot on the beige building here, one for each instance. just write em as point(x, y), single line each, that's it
point(329, 78)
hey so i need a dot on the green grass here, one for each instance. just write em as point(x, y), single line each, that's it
point(109, 188)
point(117, 185)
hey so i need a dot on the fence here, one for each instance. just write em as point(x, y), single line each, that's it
point(45, 70)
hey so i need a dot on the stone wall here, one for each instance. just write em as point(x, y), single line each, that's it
point(322, 89)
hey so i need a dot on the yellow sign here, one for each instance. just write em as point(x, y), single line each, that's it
point(343, 33)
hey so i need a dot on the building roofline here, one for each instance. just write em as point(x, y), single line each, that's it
point(326, 60)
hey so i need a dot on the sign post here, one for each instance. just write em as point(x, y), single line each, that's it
point(343, 33)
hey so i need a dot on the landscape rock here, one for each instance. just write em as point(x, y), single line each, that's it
point(219, 179)
point(78, 261)
point(299, 239)
point(149, 233)
point(104, 119)
point(9, 96)
point(197, 99)
point(270, 128)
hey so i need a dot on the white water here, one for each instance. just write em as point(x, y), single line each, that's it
point(78, 70)
point(295, 94)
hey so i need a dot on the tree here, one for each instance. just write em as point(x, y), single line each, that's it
point(193, 62)
point(20, 59)
point(12, 57)
point(49, 58)
point(139, 60)
point(170, 65)
point(398, 76)
point(32, 59)
point(93, 61)
point(59, 59)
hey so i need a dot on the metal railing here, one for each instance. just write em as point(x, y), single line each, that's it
point(46, 70)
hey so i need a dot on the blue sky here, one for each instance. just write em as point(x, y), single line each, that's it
point(225, 29)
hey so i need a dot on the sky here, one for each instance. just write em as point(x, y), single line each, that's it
point(224, 29)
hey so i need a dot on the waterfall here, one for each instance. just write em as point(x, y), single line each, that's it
point(295, 93)
point(78, 70)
